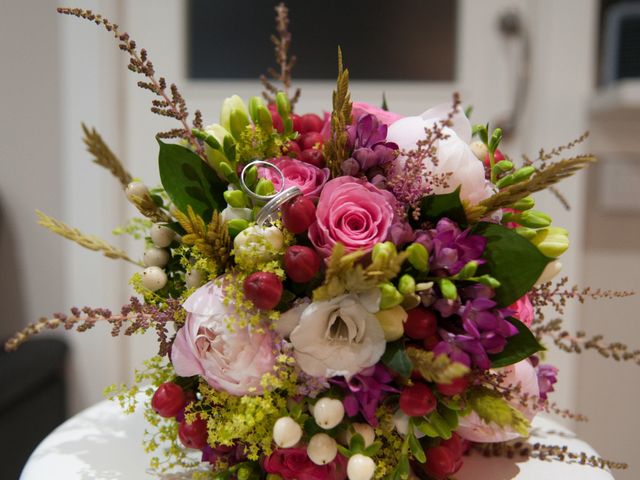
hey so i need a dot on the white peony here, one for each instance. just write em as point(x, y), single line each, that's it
point(256, 244)
point(453, 153)
point(339, 337)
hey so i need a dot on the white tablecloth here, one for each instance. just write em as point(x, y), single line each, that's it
point(102, 443)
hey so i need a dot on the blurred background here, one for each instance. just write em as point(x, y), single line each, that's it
point(544, 70)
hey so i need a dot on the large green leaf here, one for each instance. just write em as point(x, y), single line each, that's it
point(520, 346)
point(395, 357)
point(435, 207)
point(189, 181)
point(511, 259)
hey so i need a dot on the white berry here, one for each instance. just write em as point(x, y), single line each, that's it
point(322, 449)
point(154, 278)
point(136, 190)
point(194, 278)
point(328, 412)
point(155, 257)
point(360, 467)
point(479, 149)
point(162, 236)
point(364, 429)
point(286, 432)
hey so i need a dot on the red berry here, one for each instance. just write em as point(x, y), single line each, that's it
point(497, 157)
point(459, 385)
point(297, 123)
point(292, 149)
point(277, 121)
point(301, 263)
point(193, 435)
point(417, 400)
point(264, 289)
point(298, 214)
point(430, 342)
point(311, 123)
point(456, 444)
point(441, 462)
point(168, 400)
point(313, 156)
point(421, 323)
point(310, 140)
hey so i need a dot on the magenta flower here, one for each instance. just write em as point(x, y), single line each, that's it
point(365, 392)
point(295, 464)
point(308, 178)
point(385, 117)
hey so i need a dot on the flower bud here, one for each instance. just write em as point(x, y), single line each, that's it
point(418, 257)
point(550, 271)
point(251, 176)
point(322, 449)
point(551, 241)
point(488, 280)
point(236, 225)
point(523, 174)
point(387, 249)
point(469, 270)
point(228, 105)
point(239, 120)
point(235, 198)
point(503, 166)
point(525, 203)
point(256, 244)
point(526, 232)
point(392, 322)
point(390, 296)
point(448, 289)
point(228, 172)
point(264, 187)
point(406, 284)
point(479, 149)
point(286, 432)
point(534, 219)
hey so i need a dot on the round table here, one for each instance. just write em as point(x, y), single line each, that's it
point(102, 443)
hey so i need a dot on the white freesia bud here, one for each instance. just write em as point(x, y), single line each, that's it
point(154, 278)
point(136, 190)
point(194, 278)
point(257, 244)
point(286, 432)
point(217, 131)
point(328, 412)
point(401, 422)
point(322, 449)
point(155, 257)
point(360, 467)
point(551, 270)
point(364, 429)
point(162, 236)
point(231, 213)
point(479, 149)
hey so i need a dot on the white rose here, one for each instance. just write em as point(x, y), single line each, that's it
point(257, 244)
point(454, 154)
point(338, 337)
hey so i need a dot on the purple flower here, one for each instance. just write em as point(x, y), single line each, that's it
point(365, 391)
point(370, 150)
point(450, 248)
point(484, 330)
point(230, 455)
point(547, 377)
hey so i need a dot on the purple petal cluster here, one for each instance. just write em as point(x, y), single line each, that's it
point(365, 391)
point(547, 377)
point(481, 330)
point(371, 151)
point(450, 248)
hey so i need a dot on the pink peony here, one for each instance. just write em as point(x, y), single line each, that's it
point(353, 212)
point(309, 178)
point(474, 429)
point(230, 361)
point(360, 108)
point(523, 310)
point(295, 464)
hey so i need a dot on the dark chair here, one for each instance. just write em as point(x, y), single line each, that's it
point(32, 399)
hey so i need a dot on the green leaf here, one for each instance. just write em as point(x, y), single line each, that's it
point(356, 445)
point(416, 448)
point(440, 424)
point(522, 345)
point(373, 449)
point(435, 207)
point(189, 181)
point(425, 427)
point(512, 260)
point(492, 407)
point(449, 415)
point(395, 357)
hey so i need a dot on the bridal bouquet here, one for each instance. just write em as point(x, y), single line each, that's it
point(350, 295)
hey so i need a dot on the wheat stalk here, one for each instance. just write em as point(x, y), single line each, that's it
point(87, 241)
point(103, 156)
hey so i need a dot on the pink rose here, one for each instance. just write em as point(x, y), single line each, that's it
point(309, 178)
point(523, 310)
point(353, 212)
point(294, 464)
point(473, 428)
point(230, 361)
point(360, 108)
